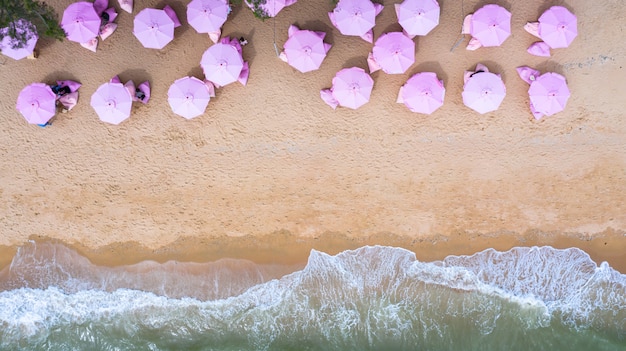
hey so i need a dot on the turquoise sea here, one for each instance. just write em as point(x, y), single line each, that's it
point(372, 298)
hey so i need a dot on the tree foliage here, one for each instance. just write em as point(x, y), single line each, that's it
point(258, 11)
point(22, 19)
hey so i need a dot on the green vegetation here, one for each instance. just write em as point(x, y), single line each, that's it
point(258, 11)
point(37, 17)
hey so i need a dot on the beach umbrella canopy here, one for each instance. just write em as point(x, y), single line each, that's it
point(354, 17)
point(423, 93)
point(153, 28)
point(418, 17)
point(81, 22)
point(222, 64)
point(112, 102)
point(558, 27)
point(22, 28)
point(549, 93)
point(484, 92)
point(37, 103)
point(352, 87)
point(394, 52)
point(207, 15)
point(188, 97)
point(305, 49)
point(491, 25)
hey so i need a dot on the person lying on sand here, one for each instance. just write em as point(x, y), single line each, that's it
point(59, 90)
point(139, 94)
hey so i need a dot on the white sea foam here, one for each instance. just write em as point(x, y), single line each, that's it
point(49, 264)
point(369, 296)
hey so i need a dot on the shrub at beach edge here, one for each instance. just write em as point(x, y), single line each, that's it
point(40, 18)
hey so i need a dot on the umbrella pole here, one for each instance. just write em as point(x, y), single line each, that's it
point(461, 37)
point(275, 47)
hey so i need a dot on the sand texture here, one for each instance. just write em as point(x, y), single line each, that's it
point(272, 156)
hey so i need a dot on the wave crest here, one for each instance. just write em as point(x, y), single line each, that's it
point(365, 298)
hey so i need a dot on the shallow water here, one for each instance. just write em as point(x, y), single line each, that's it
point(372, 298)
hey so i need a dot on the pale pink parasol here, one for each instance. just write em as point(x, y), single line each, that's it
point(37, 103)
point(491, 25)
point(548, 94)
point(22, 28)
point(206, 16)
point(305, 49)
point(483, 92)
point(355, 17)
point(112, 102)
point(81, 22)
point(153, 28)
point(418, 17)
point(222, 64)
point(188, 97)
point(393, 52)
point(422, 93)
point(352, 87)
point(557, 27)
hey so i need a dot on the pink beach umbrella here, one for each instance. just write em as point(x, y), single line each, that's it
point(418, 17)
point(422, 93)
point(22, 28)
point(558, 27)
point(491, 25)
point(484, 92)
point(81, 22)
point(37, 103)
point(271, 7)
point(153, 28)
point(305, 49)
point(352, 87)
point(548, 94)
point(222, 64)
point(112, 102)
point(188, 97)
point(207, 16)
point(393, 52)
point(355, 17)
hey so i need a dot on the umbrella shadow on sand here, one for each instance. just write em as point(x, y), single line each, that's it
point(393, 27)
point(137, 75)
point(357, 61)
point(59, 75)
point(548, 4)
point(430, 66)
point(248, 51)
point(480, 4)
point(180, 9)
point(493, 66)
point(43, 43)
point(196, 72)
point(550, 66)
point(51, 79)
point(319, 26)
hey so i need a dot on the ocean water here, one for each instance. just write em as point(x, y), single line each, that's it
point(372, 298)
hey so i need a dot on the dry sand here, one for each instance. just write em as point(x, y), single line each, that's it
point(271, 168)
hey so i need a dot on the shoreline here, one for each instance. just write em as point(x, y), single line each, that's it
point(284, 248)
point(270, 165)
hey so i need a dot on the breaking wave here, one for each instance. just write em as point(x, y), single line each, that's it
point(372, 298)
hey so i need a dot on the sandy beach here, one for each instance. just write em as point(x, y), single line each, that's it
point(271, 171)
